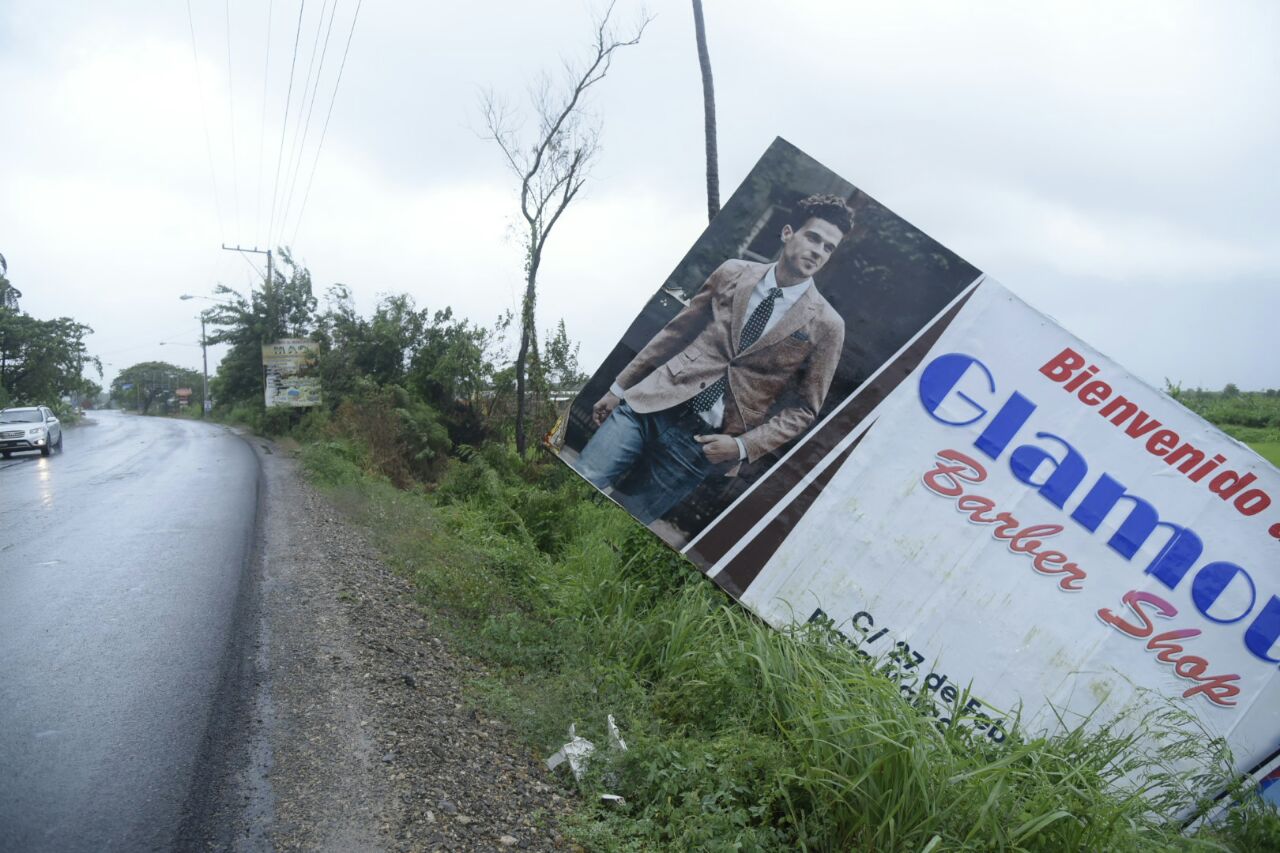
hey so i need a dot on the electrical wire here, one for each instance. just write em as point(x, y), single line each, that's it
point(297, 124)
point(262, 128)
point(328, 115)
point(231, 129)
point(302, 145)
point(261, 275)
point(208, 144)
point(284, 121)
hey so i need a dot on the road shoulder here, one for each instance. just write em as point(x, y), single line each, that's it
point(353, 733)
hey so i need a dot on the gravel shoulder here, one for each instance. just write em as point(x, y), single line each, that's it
point(344, 725)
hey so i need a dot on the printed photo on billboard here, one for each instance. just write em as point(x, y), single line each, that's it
point(799, 290)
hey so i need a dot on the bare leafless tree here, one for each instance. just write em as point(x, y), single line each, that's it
point(708, 113)
point(551, 162)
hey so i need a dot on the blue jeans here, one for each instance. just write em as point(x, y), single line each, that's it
point(651, 460)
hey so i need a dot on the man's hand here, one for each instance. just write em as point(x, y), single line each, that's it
point(604, 407)
point(718, 448)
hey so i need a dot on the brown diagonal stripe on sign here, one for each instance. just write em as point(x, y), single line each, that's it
point(744, 567)
point(725, 533)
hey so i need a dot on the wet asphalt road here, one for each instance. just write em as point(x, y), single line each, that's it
point(121, 562)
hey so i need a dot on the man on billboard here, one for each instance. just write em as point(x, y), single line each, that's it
point(742, 370)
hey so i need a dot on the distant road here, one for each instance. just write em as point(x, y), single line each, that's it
point(120, 563)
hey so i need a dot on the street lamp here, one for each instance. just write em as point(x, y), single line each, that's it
point(204, 346)
point(172, 379)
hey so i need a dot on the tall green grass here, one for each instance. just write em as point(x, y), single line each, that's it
point(742, 737)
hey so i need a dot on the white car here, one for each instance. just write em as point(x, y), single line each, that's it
point(29, 428)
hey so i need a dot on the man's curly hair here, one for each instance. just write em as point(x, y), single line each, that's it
point(829, 208)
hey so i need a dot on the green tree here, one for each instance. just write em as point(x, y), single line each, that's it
point(151, 384)
point(283, 308)
point(354, 349)
point(453, 369)
point(42, 361)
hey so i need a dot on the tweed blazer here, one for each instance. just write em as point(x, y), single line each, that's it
point(776, 386)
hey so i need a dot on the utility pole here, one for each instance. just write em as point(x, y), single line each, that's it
point(254, 251)
point(204, 357)
point(204, 341)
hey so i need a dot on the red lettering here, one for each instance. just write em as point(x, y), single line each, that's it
point(1191, 667)
point(1252, 502)
point(1046, 564)
point(1061, 366)
point(1006, 523)
point(945, 479)
point(1022, 541)
point(1133, 599)
point(1048, 558)
point(1094, 393)
point(1141, 424)
point(1216, 689)
point(976, 505)
point(1162, 442)
point(1076, 575)
point(1080, 379)
point(1168, 648)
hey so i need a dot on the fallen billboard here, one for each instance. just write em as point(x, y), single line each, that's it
point(838, 419)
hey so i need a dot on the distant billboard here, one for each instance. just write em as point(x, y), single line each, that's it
point(291, 376)
point(900, 447)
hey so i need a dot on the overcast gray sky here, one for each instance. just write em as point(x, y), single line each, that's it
point(1114, 163)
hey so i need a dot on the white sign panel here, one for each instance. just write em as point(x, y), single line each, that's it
point(1022, 516)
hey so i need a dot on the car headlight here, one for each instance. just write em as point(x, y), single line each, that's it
point(37, 432)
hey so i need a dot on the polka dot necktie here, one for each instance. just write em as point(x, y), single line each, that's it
point(751, 332)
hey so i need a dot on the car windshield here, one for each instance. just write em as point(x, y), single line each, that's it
point(21, 416)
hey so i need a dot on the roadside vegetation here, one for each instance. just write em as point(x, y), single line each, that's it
point(41, 361)
point(1249, 416)
point(740, 737)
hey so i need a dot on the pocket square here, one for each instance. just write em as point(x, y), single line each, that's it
point(799, 335)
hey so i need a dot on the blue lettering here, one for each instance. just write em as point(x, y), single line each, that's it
point(940, 378)
point(1067, 474)
point(1262, 634)
point(1209, 583)
point(939, 384)
point(1012, 415)
point(1177, 556)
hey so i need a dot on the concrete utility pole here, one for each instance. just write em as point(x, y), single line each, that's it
point(254, 251)
point(205, 405)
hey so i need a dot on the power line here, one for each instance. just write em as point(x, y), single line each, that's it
point(329, 114)
point(262, 133)
point(302, 146)
point(297, 125)
point(231, 114)
point(285, 121)
point(208, 144)
point(261, 275)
